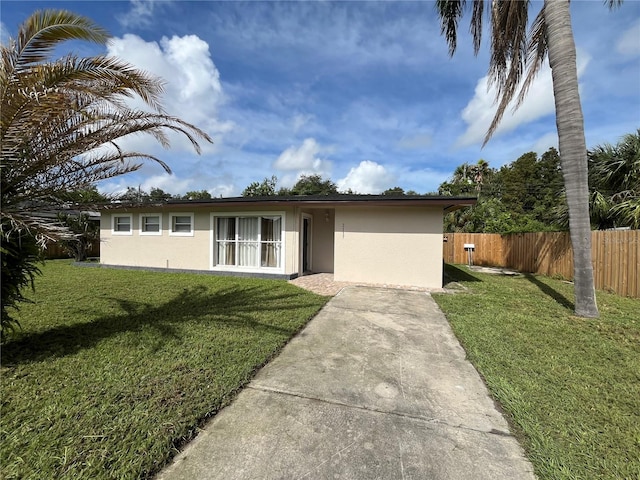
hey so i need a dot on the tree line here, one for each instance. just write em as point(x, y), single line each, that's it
point(528, 194)
point(313, 184)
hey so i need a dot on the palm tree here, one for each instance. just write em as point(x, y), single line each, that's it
point(60, 123)
point(514, 53)
point(614, 175)
point(479, 172)
point(462, 174)
point(61, 119)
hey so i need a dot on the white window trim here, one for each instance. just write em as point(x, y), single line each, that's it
point(181, 234)
point(113, 223)
point(141, 219)
point(234, 268)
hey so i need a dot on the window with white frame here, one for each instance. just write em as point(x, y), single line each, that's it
point(150, 224)
point(121, 224)
point(251, 241)
point(181, 224)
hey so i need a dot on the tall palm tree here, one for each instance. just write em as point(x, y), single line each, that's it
point(516, 56)
point(61, 119)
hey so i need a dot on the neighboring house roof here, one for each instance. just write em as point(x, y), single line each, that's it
point(72, 212)
point(446, 202)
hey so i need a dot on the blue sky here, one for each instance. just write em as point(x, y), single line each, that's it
point(363, 93)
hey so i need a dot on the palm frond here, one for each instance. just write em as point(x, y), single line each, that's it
point(44, 229)
point(93, 78)
point(62, 121)
point(508, 61)
point(41, 33)
point(628, 212)
point(536, 53)
point(450, 12)
point(613, 3)
point(616, 168)
point(475, 28)
point(68, 138)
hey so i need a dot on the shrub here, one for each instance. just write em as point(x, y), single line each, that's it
point(20, 255)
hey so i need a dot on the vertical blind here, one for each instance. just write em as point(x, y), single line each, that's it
point(249, 241)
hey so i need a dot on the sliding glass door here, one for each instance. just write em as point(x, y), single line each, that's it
point(248, 241)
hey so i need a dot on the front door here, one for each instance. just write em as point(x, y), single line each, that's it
point(306, 244)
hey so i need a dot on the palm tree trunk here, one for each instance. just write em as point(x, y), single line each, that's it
point(573, 149)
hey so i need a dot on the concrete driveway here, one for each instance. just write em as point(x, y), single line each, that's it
point(375, 387)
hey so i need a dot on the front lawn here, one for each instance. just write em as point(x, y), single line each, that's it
point(570, 386)
point(114, 369)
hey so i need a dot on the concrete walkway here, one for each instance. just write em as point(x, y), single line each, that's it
point(375, 387)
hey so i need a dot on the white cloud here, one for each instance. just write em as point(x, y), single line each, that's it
point(629, 41)
point(175, 185)
point(300, 120)
point(368, 177)
point(545, 142)
point(168, 183)
point(538, 103)
point(340, 31)
point(198, 75)
point(416, 141)
point(4, 34)
point(288, 180)
point(421, 180)
point(192, 91)
point(113, 188)
point(303, 159)
point(223, 190)
point(141, 13)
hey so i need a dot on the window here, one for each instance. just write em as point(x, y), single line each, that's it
point(226, 241)
point(121, 224)
point(249, 241)
point(181, 224)
point(270, 243)
point(150, 224)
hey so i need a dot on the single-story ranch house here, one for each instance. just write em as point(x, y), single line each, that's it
point(359, 238)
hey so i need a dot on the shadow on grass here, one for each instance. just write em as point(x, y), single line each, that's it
point(455, 273)
point(550, 291)
point(233, 306)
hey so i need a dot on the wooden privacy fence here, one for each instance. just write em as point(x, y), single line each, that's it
point(55, 250)
point(615, 255)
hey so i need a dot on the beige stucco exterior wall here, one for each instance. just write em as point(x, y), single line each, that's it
point(181, 252)
point(386, 245)
point(389, 245)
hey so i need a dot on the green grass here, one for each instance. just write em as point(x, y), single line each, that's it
point(570, 386)
point(114, 370)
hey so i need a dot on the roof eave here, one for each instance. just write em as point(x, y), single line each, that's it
point(447, 203)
